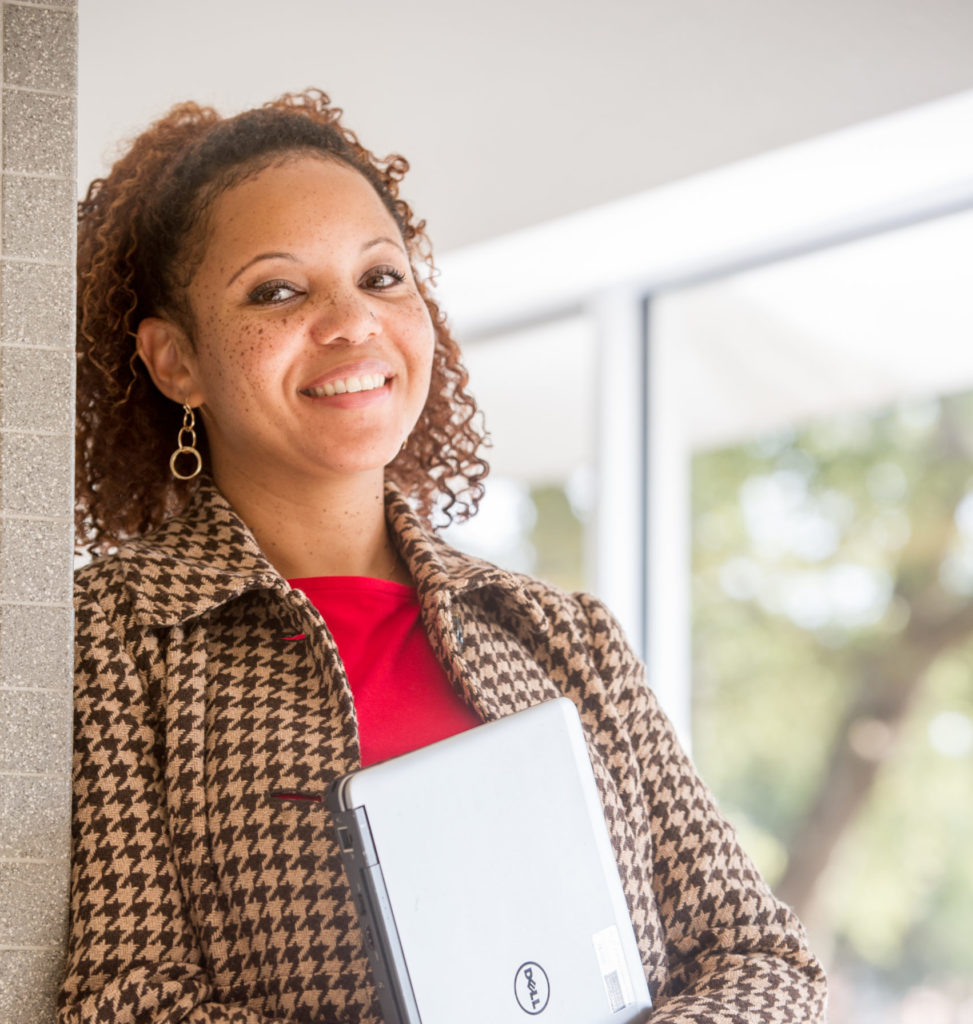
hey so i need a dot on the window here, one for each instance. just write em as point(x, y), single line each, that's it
point(828, 410)
point(535, 389)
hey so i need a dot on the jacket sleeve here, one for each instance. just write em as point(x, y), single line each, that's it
point(132, 955)
point(736, 955)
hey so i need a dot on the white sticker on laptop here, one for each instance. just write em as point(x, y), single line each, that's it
point(614, 973)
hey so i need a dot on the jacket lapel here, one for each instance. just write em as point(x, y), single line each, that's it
point(480, 619)
point(196, 561)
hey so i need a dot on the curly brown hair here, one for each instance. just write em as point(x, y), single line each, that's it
point(141, 234)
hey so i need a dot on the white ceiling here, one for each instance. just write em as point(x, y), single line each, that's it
point(513, 112)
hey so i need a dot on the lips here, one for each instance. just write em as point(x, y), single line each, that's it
point(349, 385)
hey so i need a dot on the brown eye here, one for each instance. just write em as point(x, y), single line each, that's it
point(383, 277)
point(271, 292)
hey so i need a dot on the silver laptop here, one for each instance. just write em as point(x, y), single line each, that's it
point(485, 882)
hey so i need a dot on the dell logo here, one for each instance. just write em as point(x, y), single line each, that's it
point(532, 988)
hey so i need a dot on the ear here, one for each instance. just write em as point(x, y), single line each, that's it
point(169, 358)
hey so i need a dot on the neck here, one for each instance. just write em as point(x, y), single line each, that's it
point(336, 530)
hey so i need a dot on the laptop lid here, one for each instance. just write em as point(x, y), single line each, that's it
point(485, 881)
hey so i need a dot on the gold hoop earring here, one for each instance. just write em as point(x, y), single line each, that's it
point(186, 445)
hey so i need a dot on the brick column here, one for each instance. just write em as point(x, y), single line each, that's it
point(38, 66)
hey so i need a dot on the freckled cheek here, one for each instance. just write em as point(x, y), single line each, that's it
point(426, 342)
point(420, 327)
point(242, 359)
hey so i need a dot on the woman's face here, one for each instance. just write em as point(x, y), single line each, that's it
point(313, 346)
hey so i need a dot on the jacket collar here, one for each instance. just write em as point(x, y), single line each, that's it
point(207, 556)
point(195, 561)
point(445, 576)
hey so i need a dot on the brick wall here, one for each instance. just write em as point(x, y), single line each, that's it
point(38, 62)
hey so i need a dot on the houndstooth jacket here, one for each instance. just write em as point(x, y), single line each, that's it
point(205, 684)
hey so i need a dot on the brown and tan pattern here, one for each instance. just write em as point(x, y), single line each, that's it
point(200, 897)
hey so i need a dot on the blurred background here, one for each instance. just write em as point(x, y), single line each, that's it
point(710, 263)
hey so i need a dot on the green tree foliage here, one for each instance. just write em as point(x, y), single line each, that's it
point(833, 675)
point(557, 537)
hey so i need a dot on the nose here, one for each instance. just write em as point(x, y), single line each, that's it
point(344, 316)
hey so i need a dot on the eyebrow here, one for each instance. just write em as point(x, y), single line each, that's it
point(382, 239)
point(262, 256)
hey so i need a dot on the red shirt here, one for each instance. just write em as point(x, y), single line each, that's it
point(403, 698)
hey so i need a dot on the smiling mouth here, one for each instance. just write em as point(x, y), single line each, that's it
point(347, 385)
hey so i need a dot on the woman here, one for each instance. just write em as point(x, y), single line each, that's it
point(271, 411)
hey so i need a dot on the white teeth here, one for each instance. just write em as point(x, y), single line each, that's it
point(348, 385)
